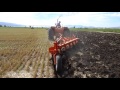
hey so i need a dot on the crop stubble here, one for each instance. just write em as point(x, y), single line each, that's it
point(24, 53)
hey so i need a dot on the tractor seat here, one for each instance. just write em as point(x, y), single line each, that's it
point(58, 26)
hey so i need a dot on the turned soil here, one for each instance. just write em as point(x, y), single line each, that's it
point(97, 55)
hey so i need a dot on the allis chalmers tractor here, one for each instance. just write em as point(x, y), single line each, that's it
point(53, 32)
point(63, 41)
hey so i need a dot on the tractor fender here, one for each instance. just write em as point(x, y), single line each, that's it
point(66, 28)
point(53, 27)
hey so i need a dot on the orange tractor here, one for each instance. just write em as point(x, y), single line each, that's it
point(53, 32)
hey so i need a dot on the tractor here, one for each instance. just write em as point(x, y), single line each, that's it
point(55, 31)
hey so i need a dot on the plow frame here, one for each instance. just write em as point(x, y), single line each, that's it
point(62, 44)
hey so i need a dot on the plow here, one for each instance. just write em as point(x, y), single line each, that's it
point(61, 45)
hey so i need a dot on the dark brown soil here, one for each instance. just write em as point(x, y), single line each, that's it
point(96, 56)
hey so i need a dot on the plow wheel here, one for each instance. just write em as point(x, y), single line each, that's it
point(58, 63)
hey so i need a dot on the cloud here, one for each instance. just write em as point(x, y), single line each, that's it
point(67, 18)
point(18, 17)
point(83, 18)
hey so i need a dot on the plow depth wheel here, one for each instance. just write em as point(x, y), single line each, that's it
point(58, 63)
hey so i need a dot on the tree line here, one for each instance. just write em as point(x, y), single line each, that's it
point(4, 26)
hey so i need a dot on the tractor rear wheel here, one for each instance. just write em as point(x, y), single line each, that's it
point(50, 34)
point(58, 63)
point(66, 33)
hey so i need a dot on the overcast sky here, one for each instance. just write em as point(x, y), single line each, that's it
point(98, 19)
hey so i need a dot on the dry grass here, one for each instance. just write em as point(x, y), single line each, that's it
point(24, 50)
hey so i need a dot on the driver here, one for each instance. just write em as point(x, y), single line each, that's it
point(58, 24)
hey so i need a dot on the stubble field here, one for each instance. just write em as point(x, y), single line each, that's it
point(24, 53)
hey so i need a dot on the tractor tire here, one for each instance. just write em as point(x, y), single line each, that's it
point(66, 33)
point(50, 34)
point(58, 63)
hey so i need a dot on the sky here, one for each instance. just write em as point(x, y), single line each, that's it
point(96, 19)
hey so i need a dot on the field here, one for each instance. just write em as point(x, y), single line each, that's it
point(24, 54)
point(96, 56)
point(97, 30)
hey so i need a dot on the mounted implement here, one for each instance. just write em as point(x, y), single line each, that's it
point(61, 44)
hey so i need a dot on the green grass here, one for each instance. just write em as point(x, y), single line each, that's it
point(17, 33)
point(96, 30)
point(15, 29)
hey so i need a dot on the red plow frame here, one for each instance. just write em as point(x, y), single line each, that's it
point(61, 44)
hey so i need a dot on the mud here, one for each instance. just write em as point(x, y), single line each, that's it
point(97, 55)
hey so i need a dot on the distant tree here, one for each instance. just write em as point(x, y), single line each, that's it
point(74, 27)
point(5, 26)
point(85, 28)
point(0, 25)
